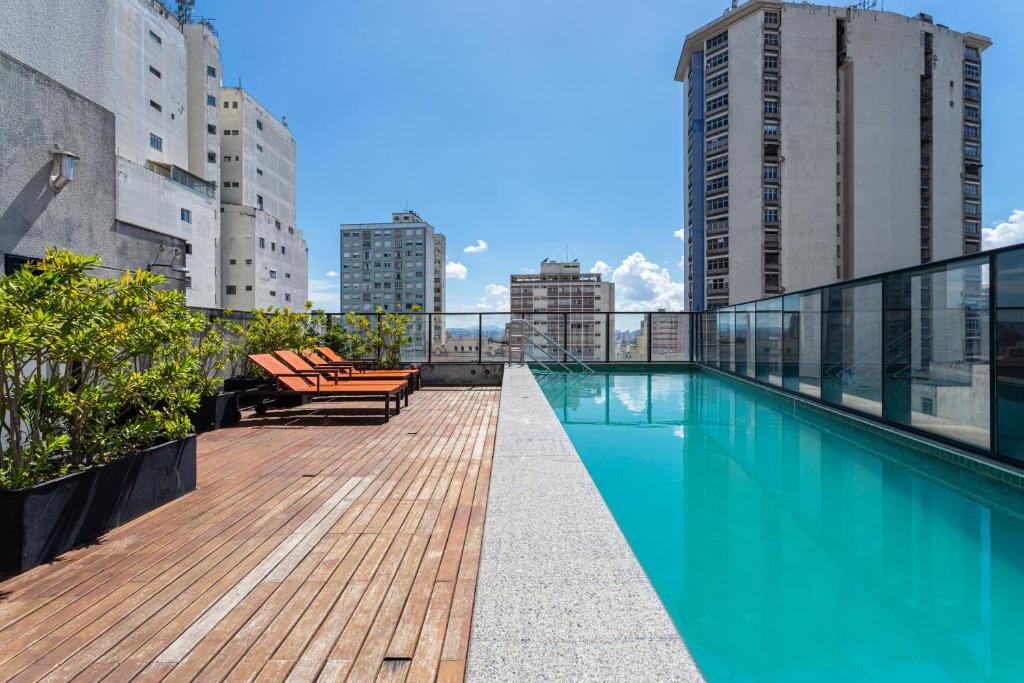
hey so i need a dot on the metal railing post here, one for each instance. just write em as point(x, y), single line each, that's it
point(993, 369)
point(430, 337)
point(649, 318)
point(607, 337)
point(565, 336)
point(480, 338)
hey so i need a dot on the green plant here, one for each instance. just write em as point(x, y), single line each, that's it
point(273, 329)
point(217, 350)
point(383, 337)
point(90, 368)
point(344, 340)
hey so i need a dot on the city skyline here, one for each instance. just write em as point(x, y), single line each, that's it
point(498, 126)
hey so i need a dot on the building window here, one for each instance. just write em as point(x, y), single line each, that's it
point(771, 193)
point(771, 215)
point(717, 284)
point(771, 18)
point(717, 144)
point(211, 129)
point(155, 37)
point(717, 41)
point(248, 288)
point(717, 183)
point(771, 106)
point(771, 62)
point(287, 276)
point(718, 80)
point(971, 151)
point(231, 289)
point(248, 261)
point(234, 105)
point(156, 142)
point(259, 171)
point(970, 131)
point(971, 112)
point(291, 230)
point(971, 71)
point(771, 40)
point(186, 215)
point(716, 203)
point(971, 190)
point(259, 202)
point(771, 171)
point(273, 246)
point(259, 148)
point(211, 71)
point(771, 85)
point(211, 100)
point(718, 123)
point(277, 224)
point(771, 128)
point(717, 60)
point(263, 245)
point(287, 296)
point(188, 245)
point(717, 102)
point(273, 274)
point(259, 125)
point(972, 228)
point(233, 261)
point(155, 105)
point(153, 70)
point(282, 250)
point(227, 104)
point(972, 92)
point(717, 163)
point(971, 208)
point(273, 293)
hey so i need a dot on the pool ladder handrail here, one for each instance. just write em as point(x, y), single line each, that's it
point(586, 369)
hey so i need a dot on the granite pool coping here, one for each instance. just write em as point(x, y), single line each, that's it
point(560, 594)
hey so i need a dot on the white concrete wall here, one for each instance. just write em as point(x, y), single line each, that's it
point(807, 86)
point(947, 144)
point(148, 198)
point(242, 227)
point(746, 243)
point(203, 50)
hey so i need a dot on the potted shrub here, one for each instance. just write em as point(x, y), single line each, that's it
point(217, 352)
point(383, 338)
point(97, 378)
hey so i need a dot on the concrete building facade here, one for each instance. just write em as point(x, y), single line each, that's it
point(568, 306)
point(263, 255)
point(131, 57)
point(395, 266)
point(798, 176)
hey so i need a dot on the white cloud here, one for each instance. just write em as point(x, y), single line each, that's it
point(456, 270)
point(1010, 231)
point(495, 299)
point(680, 234)
point(331, 273)
point(641, 285)
point(478, 248)
point(325, 294)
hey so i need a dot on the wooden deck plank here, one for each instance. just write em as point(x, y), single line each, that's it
point(314, 547)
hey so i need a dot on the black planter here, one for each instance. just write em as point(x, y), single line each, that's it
point(215, 411)
point(242, 384)
point(40, 522)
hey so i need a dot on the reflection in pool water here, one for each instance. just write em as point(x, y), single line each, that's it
point(789, 545)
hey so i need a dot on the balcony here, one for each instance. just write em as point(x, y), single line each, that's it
point(183, 178)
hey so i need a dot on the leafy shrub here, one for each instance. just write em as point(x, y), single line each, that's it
point(273, 329)
point(90, 368)
point(383, 337)
point(342, 339)
point(218, 351)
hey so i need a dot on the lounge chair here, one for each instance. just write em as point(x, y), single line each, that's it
point(341, 373)
point(314, 384)
point(319, 362)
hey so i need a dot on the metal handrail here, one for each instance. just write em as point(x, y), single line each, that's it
point(522, 346)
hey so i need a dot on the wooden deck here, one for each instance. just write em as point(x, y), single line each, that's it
point(314, 547)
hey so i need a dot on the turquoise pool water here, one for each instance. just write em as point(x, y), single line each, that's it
point(790, 546)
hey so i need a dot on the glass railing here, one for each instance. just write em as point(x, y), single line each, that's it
point(936, 349)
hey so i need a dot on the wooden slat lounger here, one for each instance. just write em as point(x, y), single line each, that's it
point(314, 384)
point(318, 362)
point(328, 353)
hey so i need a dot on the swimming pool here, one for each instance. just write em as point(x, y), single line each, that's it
point(788, 545)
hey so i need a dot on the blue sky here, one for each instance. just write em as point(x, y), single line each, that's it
point(543, 128)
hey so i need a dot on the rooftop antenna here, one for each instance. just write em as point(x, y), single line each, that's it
point(184, 12)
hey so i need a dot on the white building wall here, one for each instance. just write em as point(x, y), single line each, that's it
point(147, 198)
point(807, 86)
point(947, 144)
point(203, 145)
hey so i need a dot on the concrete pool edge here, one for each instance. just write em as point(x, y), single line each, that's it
point(560, 593)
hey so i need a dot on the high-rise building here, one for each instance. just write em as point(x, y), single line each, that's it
point(137, 60)
point(666, 336)
point(826, 143)
point(396, 267)
point(263, 254)
point(565, 306)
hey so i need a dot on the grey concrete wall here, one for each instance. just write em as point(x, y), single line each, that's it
point(37, 113)
point(462, 374)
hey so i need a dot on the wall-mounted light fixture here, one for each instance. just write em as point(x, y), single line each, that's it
point(63, 171)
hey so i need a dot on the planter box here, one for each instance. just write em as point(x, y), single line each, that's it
point(40, 522)
point(215, 411)
point(242, 384)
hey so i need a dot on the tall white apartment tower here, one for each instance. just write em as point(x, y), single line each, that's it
point(566, 305)
point(826, 143)
point(263, 255)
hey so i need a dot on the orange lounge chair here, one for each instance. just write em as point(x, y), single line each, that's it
point(317, 361)
point(333, 358)
point(341, 373)
point(314, 384)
